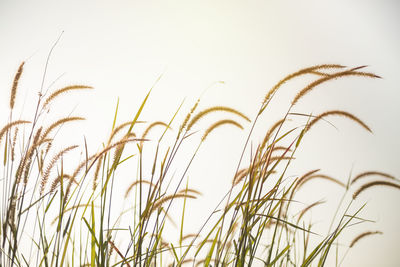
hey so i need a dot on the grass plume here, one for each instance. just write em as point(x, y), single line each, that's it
point(203, 113)
point(256, 221)
point(371, 173)
point(372, 184)
point(51, 165)
point(63, 90)
point(58, 123)
point(15, 85)
point(9, 126)
point(338, 113)
point(218, 124)
point(314, 84)
point(362, 235)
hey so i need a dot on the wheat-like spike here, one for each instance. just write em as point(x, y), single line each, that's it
point(11, 217)
point(308, 208)
point(49, 142)
point(214, 109)
point(151, 126)
point(123, 141)
point(120, 148)
point(312, 70)
point(312, 85)
point(217, 124)
point(13, 144)
point(188, 116)
point(64, 90)
point(119, 128)
point(96, 172)
point(27, 169)
point(320, 176)
point(374, 183)
point(59, 122)
point(36, 138)
point(339, 113)
point(57, 180)
point(9, 126)
point(270, 131)
point(360, 236)
point(240, 175)
point(68, 190)
point(25, 164)
point(265, 160)
point(370, 173)
point(15, 84)
point(28, 159)
point(51, 165)
point(244, 172)
point(161, 201)
point(129, 189)
point(84, 163)
point(100, 155)
point(301, 179)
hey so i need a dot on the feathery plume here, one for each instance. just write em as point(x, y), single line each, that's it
point(301, 182)
point(214, 109)
point(308, 208)
point(129, 189)
point(64, 90)
point(355, 240)
point(374, 183)
point(51, 165)
point(270, 131)
point(217, 124)
point(8, 127)
point(13, 144)
point(339, 113)
point(15, 84)
point(119, 128)
point(57, 180)
point(59, 122)
point(161, 201)
point(188, 116)
point(312, 70)
point(151, 126)
point(312, 85)
point(370, 173)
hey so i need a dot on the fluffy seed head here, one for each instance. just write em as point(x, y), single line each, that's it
point(218, 124)
point(214, 109)
point(15, 85)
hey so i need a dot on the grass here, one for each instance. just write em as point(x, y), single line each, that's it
point(54, 215)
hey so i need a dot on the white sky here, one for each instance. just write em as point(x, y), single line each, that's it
point(121, 47)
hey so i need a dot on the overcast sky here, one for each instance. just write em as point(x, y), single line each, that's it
point(121, 47)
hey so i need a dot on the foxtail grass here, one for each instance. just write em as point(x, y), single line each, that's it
point(85, 214)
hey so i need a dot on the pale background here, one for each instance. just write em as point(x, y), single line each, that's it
point(121, 47)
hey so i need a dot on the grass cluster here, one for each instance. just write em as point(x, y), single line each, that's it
point(55, 215)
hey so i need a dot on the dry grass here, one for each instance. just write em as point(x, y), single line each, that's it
point(79, 222)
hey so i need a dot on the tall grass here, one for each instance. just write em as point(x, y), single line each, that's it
point(52, 215)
